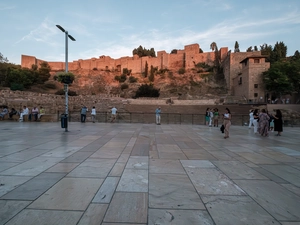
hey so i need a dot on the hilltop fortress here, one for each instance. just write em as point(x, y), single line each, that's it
point(242, 70)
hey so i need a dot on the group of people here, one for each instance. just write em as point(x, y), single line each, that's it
point(33, 113)
point(263, 122)
point(212, 116)
point(84, 111)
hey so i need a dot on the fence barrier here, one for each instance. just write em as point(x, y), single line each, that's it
point(166, 118)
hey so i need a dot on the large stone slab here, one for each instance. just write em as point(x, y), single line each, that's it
point(180, 217)
point(134, 180)
point(285, 172)
point(45, 217)
point(286, 151)
point(32, 167)
point(280, 203)
point(77, 157)
point(98, 168)
point(166, 166)
point(198, 154)
point(93, 215)
point(173, 191)
point(10, 183)
point(257, 158)
point(134, 211)
point(210, 181)
point(117, 170)
point(69, 194)
point(238, 170)
point(7, 165)
point(237, 210)
point(35, 187)
point(138, 162)
point(22, 156)
point(62, 167)
point(10, 208)
point(105, 193)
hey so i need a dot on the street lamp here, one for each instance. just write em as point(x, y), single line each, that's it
point(66, 70)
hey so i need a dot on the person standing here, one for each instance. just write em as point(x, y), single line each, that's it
point(157, 115)
point(93, 114)
point(264, 123)
point(255, 120)
point(278, 122)
point(207, 116)
point(227, 122)
point(216, 117)
point(211, 117)
point(251, 118)
point(84, 110)
point(113, 114)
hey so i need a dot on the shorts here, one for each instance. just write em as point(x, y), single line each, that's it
point(207, 118)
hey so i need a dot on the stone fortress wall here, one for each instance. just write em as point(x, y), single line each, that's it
point(186, 58)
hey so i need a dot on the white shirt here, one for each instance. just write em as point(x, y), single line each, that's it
point(25, 111)
point(93, 111)
point(226, 115)
point(113, 111)
point(251, 115)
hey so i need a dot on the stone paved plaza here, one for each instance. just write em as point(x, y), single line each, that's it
point(121, 174)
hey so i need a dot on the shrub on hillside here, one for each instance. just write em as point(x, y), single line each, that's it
point(181, 70)
point(132, 79)
point(62, 92)
point(147, 91)
point(124, 86)
point(16, 87)
point(50, 85)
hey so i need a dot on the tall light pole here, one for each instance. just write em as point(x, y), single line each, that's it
point(66, 70)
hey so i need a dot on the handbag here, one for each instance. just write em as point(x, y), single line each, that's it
point(222, 128)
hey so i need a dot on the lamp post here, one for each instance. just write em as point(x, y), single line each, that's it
point(66, 70)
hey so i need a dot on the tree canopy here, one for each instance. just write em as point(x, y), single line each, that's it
point(283, 77)
point(14, 76)
point(141, 51)
point(236, 47)
point(3, 59)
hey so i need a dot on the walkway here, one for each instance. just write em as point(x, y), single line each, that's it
point(121, 174)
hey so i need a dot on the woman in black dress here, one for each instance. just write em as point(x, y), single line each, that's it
point(278, 122)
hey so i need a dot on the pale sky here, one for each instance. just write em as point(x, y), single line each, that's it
point(115, 27)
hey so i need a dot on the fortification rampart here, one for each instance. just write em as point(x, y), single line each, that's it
point(186, 58)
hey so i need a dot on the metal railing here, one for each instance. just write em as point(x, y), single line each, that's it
point(166, 118)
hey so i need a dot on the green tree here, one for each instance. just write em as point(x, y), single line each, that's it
point(152, 71)
point(279, 52)
point(146, 69)
point(277, 79)
point(141, 51)
point(255, 48)
point(296, 56)
point(249, 49)
point(3, 59)
point(266, 50)
point(236, 47)
point(66, 78)
point(43, 72)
